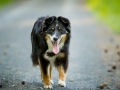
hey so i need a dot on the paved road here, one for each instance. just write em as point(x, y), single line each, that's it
point(94, 51)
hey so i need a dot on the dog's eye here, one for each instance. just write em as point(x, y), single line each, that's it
point(59, 28)
point(52, 28)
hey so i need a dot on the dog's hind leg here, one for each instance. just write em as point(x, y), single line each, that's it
point(46, 78)
point(40, 69)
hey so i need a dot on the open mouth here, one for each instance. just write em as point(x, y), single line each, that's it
point(56, 46)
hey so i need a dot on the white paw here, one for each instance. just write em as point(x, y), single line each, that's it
point(51, 81)
point(61, 83)
point(48, 87)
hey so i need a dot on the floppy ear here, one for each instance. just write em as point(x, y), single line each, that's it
point(50, 20)
point(65, 22)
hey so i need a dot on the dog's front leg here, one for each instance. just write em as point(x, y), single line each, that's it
point(45, 75)
point(51, 69)
point(62, 76)
point(46, 80)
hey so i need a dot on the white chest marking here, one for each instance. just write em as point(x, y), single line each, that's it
point(50, 59)
point(50, 47)
point(53, 58)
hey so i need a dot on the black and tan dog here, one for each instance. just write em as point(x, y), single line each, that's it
point(50, 39)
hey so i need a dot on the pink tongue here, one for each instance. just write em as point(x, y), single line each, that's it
point(55, 48)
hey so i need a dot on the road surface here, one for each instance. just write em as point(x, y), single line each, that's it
point(94, 50)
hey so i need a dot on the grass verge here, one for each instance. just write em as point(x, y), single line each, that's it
point(4, 3)
point(108, 11)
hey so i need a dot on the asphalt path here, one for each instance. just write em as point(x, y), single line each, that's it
point(94, 61)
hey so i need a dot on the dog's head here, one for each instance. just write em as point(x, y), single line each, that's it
point(56, 31)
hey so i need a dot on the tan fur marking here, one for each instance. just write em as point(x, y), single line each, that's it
point(47, 36)
point(62, 74)
point(45, 78)
point(64, 38)
point(40, 69)
point(61, 55)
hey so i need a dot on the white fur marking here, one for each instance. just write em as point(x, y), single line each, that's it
point(48, 87)
point(51, 37)
point(48, 69)
point(51, 81)
point(51, 59)
point(62, 83)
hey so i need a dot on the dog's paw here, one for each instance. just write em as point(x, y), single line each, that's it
point(48, 87)
point(61, 83)
point(51, 81)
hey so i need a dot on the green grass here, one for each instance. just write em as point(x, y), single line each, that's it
point(4, 3)
point(108, 11)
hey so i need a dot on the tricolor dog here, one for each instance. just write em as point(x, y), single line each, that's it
point(50, 38)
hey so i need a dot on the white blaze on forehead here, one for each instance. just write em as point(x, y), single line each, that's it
point(56, 23)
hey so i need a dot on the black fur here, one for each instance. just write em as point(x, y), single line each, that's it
point(39, 45)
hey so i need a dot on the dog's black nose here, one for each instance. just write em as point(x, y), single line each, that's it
point(55, 38)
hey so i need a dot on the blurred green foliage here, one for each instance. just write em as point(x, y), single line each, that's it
point(108, 11)
point(3, 3)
